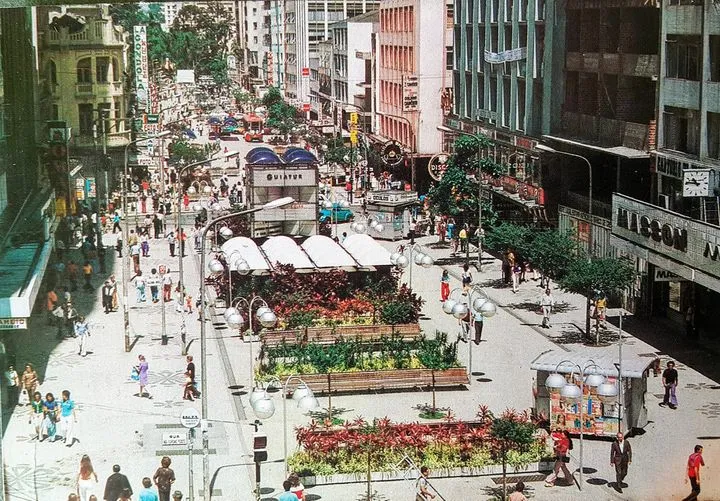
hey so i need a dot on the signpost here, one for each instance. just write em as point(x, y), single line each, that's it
point(162, 270)
point(190, 419)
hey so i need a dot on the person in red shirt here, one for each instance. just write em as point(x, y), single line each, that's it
point(695, 461)
point(561, 446)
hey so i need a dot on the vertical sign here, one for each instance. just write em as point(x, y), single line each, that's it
point(142, 79)
point(410, 92)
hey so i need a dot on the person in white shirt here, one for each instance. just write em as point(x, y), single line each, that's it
point(153, 282)
point(547, 301)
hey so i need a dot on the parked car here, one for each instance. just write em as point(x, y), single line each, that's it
point(341, 214)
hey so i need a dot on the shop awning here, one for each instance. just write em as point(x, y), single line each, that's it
point(327, 253)
point(366, 250)
point(633, 366)
point(620, 151)
point(249, 251)
point(284, 250)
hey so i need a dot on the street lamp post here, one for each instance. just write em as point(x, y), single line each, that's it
point(480, 231)
point(367, 223)
point(203, 330)
point(264, 315)
point(478, 303)
point(264, 407)
point(415, 255)
point(125, 261)
point(570, 391)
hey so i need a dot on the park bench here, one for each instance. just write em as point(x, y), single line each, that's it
point(329, 335)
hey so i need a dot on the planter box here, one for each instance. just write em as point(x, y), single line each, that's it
point(328, 335)
point(389, 476)
point(363, 381)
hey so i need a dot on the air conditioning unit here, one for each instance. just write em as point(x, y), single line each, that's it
point(664, 201)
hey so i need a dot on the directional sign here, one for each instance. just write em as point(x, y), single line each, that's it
point(190, 418)
point(175, 438)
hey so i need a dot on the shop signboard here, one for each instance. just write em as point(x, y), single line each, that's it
point(598, 418)
point(666, 233)
point(274, 177)
point(142, 79)
point(438, 165)
point(13, 323)
point(392, 154)
point(410, 92)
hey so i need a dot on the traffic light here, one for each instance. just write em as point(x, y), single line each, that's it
point(259, 447)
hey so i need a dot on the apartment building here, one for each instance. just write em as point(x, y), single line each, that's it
point(274, 43)
point(254, 24)
point(411, 80)
point(676, 240)
point(502, 56)
point(170, 11)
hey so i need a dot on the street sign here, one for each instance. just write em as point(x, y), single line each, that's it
point(152, 118)
point(306, 72)
point(190, 418)
point(353, 137)
point(306, 107)
point(13, 323)
point(174, 438)
point(353, 118)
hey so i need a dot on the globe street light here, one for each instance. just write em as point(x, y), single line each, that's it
point(478, 304)
point(281, 202)
point(367, 223)
point(414, 254)
point(569, 391)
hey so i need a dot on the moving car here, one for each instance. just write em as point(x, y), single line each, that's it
point(342, 214)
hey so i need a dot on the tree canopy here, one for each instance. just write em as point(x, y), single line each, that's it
point(606, 274)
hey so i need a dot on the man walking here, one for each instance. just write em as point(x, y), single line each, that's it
point(620, 457)
point(547, 301)
point(695, 461)
point(115, 485)
point(478, 320)
point(82, 333)
point(287, 495)
point(670, 381)
point(422, 486)
point(147, 493)
point(107, 293)
point(154, 281)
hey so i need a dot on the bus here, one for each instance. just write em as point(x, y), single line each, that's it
point(253, 125)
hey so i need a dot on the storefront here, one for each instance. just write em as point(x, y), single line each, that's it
point(678, 256)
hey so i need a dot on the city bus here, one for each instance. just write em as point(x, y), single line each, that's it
point(253, 125)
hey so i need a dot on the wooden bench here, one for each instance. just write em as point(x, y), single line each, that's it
point(398, 379)
point(329, 335)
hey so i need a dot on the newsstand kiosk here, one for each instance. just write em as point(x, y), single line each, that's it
point(392, 208)
point(599, 418)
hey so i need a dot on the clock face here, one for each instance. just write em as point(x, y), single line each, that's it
point(696, 183)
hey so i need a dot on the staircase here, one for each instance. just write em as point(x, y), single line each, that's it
point(710, 210)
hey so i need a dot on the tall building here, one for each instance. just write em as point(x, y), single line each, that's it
point(251, 41)
point(411, 77)
point(676, 240)
point(274, 41)
point(502, 56)
point(170, 11)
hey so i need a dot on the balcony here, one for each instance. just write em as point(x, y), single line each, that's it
point(84, 89)
point(108, 88)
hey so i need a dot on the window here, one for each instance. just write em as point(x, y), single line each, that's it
point(255, 40)
point(715, 58)
point(450, 16)
point(102, 66)
point(84, 71)
point(104, 122)
point(55, 113)
point(449, 58)
point(52, 73)
point(85, 115)
point(682, 57)
point(713, 135)
point(681, 130)
point(115, 70)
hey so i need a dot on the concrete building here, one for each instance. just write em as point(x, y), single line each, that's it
point(170, 11)
point(253, 26)
point(307, 24)
point(274, 41)
point(676, 239)
point(503, 56)
point(411, 77)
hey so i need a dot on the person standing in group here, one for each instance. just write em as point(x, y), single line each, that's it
point(561, 446)
point(190, 372)
point(50, 410)
point(463, 238)
point(36, 415)
point(13, 386)
point(422, 485)
point(164, 478)
point(620, 458)
point(147, 493)
point(167, 286)
point(466, 278)
point(142, 370)
point(516, 271)
point(86, 479)
point(82, 334)
point(509, 265)
point(119, 244)
point(145, 244)
point(517, 494)
point(52, 303)
point(106, 293)
point(115, 485)
point(72, 273)
point(478, 320)
point(444, 286)
point(296, 486)
point(29, 380)
point(116, 222)
point(669, 381)
point(87, 275)
point(68, 419)
point(171, 243)
point(287, 495)
point(694, 462)
point(547, 302)
point(113, 284)
point(154, 282)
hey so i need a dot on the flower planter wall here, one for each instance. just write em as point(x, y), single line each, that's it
point(362, 381)
point(328, 335)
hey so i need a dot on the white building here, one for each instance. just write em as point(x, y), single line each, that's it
point(254, 24)
point(170, 11)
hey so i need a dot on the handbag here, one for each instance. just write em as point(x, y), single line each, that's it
point(134, 374)
point(24, 398)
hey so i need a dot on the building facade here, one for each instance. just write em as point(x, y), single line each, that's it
point(254, 24)
point(675, 237)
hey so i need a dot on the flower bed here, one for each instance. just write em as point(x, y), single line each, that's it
point(385, 444)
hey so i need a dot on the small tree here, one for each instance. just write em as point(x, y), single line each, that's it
point(552, 252)
point(509, 236)
point(281, 116)
point(608, 275)
point(437, 355)
point(511, 431)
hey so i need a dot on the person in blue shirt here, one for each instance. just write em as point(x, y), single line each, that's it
point(147, 493)
point(287, 495)
point(67, 418)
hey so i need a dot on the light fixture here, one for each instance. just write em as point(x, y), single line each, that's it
point(264, 408)
point(394, 257)
point(216, 266)
point(360, 228)
point(257, 394)
point(301, 392)
point(191, 190)
point(608, 392)
point(235, 321)
point(262, 310)
point(268, 319)
point(230, 311)
point(488, 309)
point(478, 303)
point(207, 189)
point(427, 261)
point(226, 232)
point(448, 306)
point(460, 310)
point(308, 403)
point(402, 262)
point(197, 207)
point(328, 204)
point(379, 228)
point(571, 392)
point(595, 380)
point(418, 258)
point(242, 267)
point(555, 382)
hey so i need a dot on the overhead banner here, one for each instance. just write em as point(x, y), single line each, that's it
point(142, 77)
point(506, 56)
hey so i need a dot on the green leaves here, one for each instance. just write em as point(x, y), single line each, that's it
point(608, 275)
point(552, 251)
point(509, 236)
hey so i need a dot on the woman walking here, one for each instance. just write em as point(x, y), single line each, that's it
point(87, 479)
point(37, 415)
point(142, 370)
point(466, 279)
point(50, 410)
point(164, 478)
point(561, 446)
point(444, 286)
point(82, 334)
point(29, 380)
